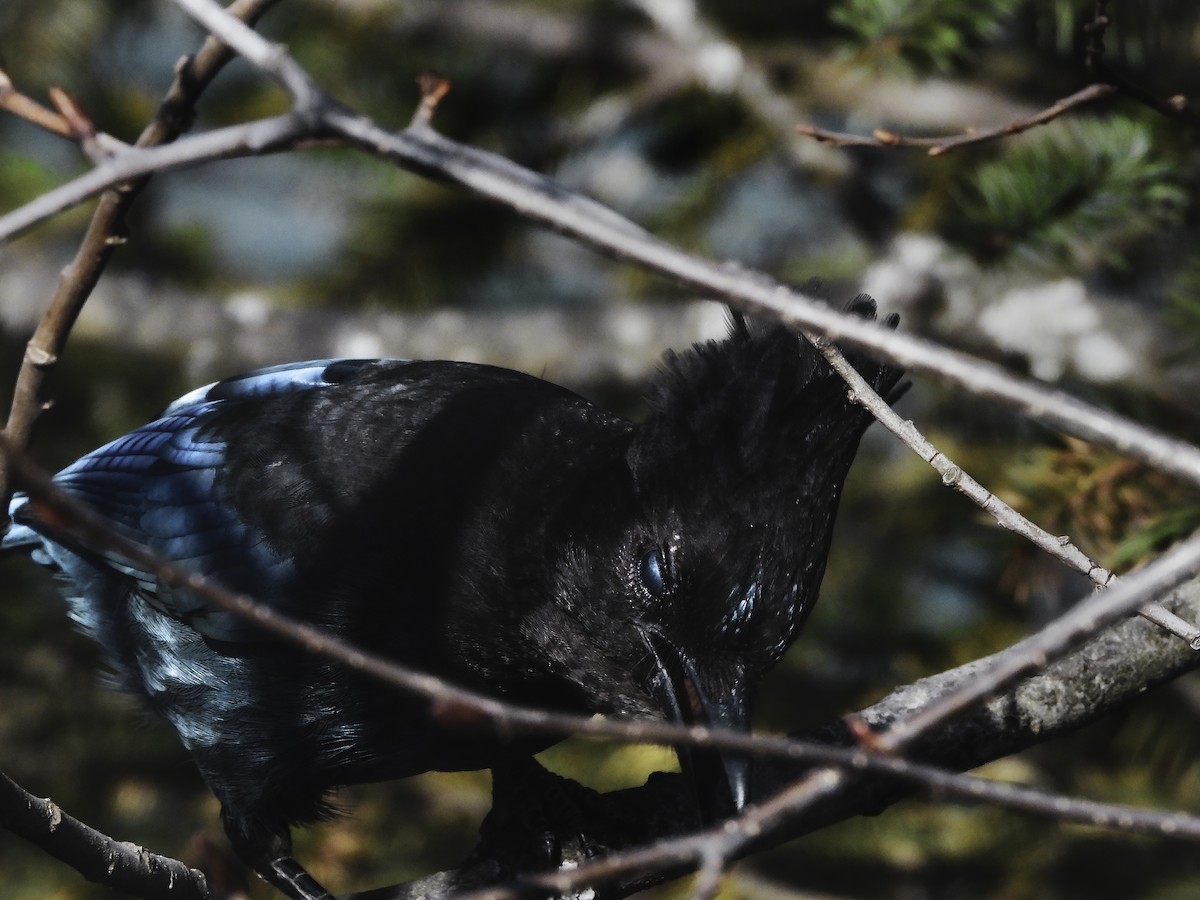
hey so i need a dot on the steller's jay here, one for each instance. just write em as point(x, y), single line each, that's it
point(478, 523)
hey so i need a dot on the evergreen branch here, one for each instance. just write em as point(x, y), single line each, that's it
point(923, 33)
point(1075, 194)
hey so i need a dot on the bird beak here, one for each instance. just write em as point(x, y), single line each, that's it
point(718, 779)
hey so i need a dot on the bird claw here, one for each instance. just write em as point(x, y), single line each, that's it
point(288, 876)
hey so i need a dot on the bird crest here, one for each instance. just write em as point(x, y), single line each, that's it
point(763, 404)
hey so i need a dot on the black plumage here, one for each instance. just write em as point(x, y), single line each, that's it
point(481, 524)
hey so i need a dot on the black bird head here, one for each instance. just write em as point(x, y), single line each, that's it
point(724, 501)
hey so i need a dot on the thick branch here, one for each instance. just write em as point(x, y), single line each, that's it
point(97, 857)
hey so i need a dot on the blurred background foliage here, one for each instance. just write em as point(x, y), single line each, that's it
point(1067, 252)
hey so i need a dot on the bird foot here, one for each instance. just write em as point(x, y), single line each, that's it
point(534, 823)
point(284, 873)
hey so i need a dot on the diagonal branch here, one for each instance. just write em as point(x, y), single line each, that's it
point(937, 146)
point(97, 857)
point(60, 512)
point(1059, 547)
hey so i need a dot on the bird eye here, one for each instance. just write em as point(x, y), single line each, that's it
point(653, 572)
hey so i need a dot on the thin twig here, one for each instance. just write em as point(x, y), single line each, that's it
point(732, 839)
point(936, 146)
point(249, 139)
point(717, 62)
point(30, 110)
point(96, 145)
point(1159, 578)
point(1058, 546)
point(712, 866)
point(103, 235)
point(434, 87)
point(255, 49)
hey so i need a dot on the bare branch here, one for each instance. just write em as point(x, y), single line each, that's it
point(433, 88)
point(24, 107)
point(249, 44)
point(58, 510)
point(545, 201)
point(720, 65)
point(1059, 547)
point(936, 146)
point(1031, 655)
point(761, 826)
point(251, 139)
point(1008, 722)
point(1070, 629)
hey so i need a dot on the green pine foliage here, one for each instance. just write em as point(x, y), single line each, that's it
point(921, 34)
point(1075, 194)
point(1120, 513)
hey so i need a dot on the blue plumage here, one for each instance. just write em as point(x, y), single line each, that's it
point(157, 485)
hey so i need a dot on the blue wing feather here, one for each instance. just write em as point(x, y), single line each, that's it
point(282, 379)
point(159, 486)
